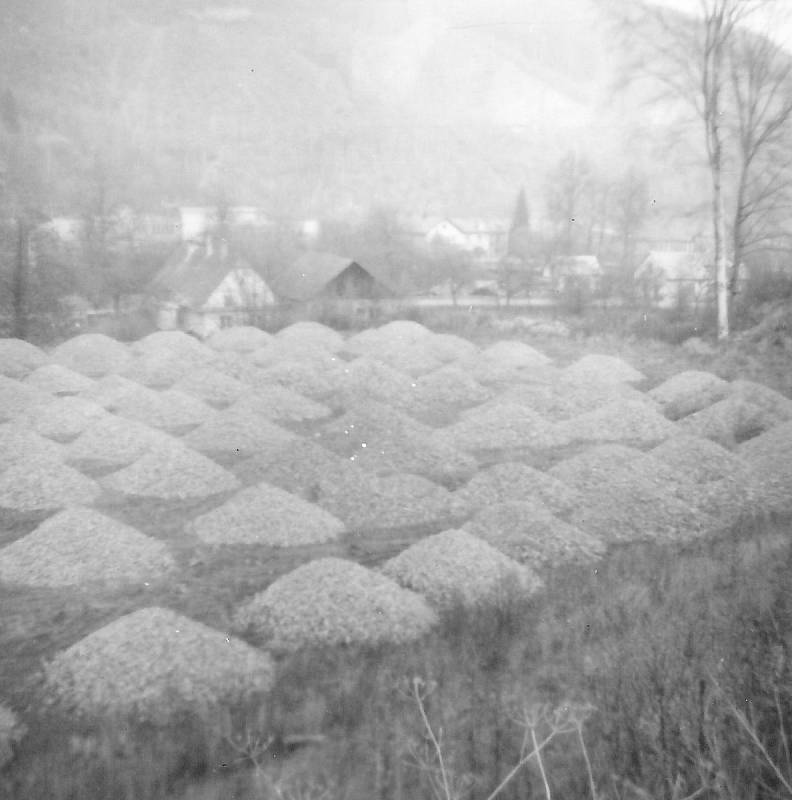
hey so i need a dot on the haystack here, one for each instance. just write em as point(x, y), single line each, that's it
point(211, 386)
point(16, 398)
point(412, 359)
point(699, 460)
point(617, 512)
point(169, 410)
point(104, 391)
point(237, 430)
point(65, 418)
point(313, 335)
point(177, 343)
point(161, 368)
point(43, 483)
point(382, 439)
point(622, 420)
point(530, 533)
point(297, 466)
point(18, 443)
point(769, 458)
point(439, 396)
point(238, 366)
point(728, 421)
point(366, 501)
point(280, 404)
point(363, 343)
point(310, 380)
point(57, 379)
point(591, 468)
point(448, 347)
point(688, 392)
point(92, 354)
point(240, 339)
point(455, 568)
point(509, 482)
point(19, 358)
point(516, 354)
point(601, 368)
point(153, 664)
point(403, 331)
point(500, 426)
point(79, 547)
point(507, 363)
point(333, 602)
point(113, 441)
point(280, 351)
point(366, 379)
point(268, 516)
point(774, 403)
point(173, 472)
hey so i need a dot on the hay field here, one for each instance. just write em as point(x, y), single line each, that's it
point(396, 454)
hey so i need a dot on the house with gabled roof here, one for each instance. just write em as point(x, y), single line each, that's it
point(317, 276)
point(582, 271)
point(206, 286)
point(673, 278)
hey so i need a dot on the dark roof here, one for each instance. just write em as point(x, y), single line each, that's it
point(194, 271)
point(312, 272)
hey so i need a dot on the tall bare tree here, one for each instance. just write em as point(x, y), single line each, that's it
point(687, 54)
point(761, 84)
point(566, 188)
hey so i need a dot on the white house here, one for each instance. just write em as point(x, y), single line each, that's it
point(673, 278)
point(204, 287)
point(486, 239)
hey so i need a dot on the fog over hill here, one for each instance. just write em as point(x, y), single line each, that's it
point(437, 107)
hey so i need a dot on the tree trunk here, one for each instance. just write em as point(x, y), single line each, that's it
point(21, 279)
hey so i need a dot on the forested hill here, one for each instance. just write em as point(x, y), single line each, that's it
point(308, 107)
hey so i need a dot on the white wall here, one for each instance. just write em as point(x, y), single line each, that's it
point(241, 288)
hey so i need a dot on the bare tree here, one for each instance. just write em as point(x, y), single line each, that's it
point(629, 209)
point(761, 83)
point(688, 56)
point(567, 185)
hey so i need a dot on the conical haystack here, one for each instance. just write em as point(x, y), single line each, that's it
point(41, 483)
point(92, 354)
point(57, 379)
point(80, 546)
point(18, 443)
point(688, 392)
point(19, 358)
point(268, 516)
point(333, 602)
point(729, 422)
point(311, 334)
point(212, 386)
point(455, 568)
point(153, 664)
point(16, 398)
point(769, 458)
point(603, 368)
point(239, 431)
point(240, 339)
point(279, 403)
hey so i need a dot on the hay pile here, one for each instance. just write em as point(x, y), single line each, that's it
point(174, 472)
point(412, 359)
point(698, 460)
point(309, 380)
point(268, 516)
point(728, 421)
point(112, 441)
point(688, 392)
point(440, 395)
point(382, 439)
point(530, 533)
point(283, 351)
point(42, 483)
point(18, 443)
point(19, 358)
point(363, 343)
point(312, 336)
point(774, 403)
point(237, 430)
point(161, 369)
point(79, 546)
point(515, 354)
point(622, 420)
point(593, 467)
point(240, 339)
point(153, 664)
point(176, 343)
point(12, 731)
point(501, 426)
point(333, 602)
point(508, 482)
point(56, 379)
point(212, 386)
point(448, 347)
point(508, 362)
point(455, 568)
point(366, 379)
point(17, 399)
point(280, 404)
point(366, 501)
point(104, 391)
point(64, 419)
point(626, 508)
point(92, 354)
point(169, 410)
point(296, 466)
point(601, 368)
point(769, 458)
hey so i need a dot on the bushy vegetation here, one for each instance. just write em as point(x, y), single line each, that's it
point(660, 673)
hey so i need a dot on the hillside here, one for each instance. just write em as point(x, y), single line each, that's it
point(444, 108)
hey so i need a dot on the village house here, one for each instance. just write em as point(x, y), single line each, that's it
point(206, 286)
point(485, 240)
point(580, 271)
